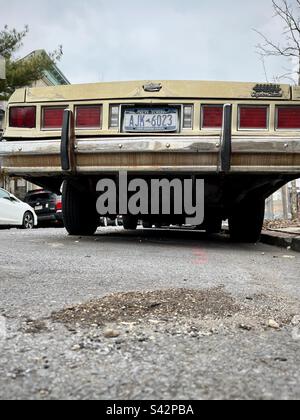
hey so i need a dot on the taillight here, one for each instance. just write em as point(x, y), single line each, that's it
point(212, 116)
point(58, 206)
point(52, 118)
point(251, 117)
point(288, 117)
point(88, 117)
point(114, 116)
point(187, 121)
point(22, 117)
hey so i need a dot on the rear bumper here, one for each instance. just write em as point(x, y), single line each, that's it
point(54, 217)
point(152, 154)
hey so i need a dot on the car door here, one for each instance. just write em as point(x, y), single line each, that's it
point(9, 210)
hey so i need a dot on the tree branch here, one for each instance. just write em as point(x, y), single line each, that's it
point(290, 48)
point(24, 72)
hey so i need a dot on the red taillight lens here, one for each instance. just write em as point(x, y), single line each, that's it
point(53, 118)
point(288, 118)
point(22, 117)
point(212, 116)
point(58, 205)
point(88, 117)
point(254, 117)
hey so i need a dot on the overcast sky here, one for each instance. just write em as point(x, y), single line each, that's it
point(154, 39)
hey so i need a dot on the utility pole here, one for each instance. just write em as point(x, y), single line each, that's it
point(294, 200)
point(285, 202)
point(270, 208)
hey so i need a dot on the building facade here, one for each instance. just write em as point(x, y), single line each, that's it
point(52, 77)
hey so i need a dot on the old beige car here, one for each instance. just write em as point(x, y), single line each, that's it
point(243, 139)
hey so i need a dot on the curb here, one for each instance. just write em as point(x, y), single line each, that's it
point(281, 240)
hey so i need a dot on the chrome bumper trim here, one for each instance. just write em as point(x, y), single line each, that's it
point(153, 144)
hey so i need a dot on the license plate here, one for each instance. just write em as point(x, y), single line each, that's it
point(150, 120)
point(37, 208)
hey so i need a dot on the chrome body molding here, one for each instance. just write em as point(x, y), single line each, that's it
point(240, 144)
point(196, 154)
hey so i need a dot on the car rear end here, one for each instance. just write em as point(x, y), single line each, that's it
point(243, 139)
point(47, 206)
point(145, 127)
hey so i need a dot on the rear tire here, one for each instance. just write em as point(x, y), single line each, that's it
point(246, 222)
point(79, 211)
point(214, 225)
point(130, 222)
point(28, 221)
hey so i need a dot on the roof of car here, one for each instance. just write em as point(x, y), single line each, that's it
point(41, 192)
point(36, 192)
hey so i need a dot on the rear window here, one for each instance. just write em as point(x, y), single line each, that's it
point(4, 194)
point(41, 196)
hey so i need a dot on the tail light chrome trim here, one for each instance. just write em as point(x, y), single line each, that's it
point(188, 117)
point(114, 116)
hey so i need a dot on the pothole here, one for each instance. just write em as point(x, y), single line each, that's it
point(161, 304)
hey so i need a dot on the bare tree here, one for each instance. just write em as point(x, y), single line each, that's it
point(288, 47)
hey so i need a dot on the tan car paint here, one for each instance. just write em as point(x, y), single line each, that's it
point(196, 150)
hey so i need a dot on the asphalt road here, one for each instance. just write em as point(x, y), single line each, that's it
point(240, 338)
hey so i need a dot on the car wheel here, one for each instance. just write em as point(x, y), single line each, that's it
point(246, 221)
point(130, 223)
point(214, 225)
point(28, 221)
point(79, 211)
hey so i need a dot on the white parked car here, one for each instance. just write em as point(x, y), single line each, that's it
point(15, 213)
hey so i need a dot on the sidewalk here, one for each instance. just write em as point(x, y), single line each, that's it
point(284, 238)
